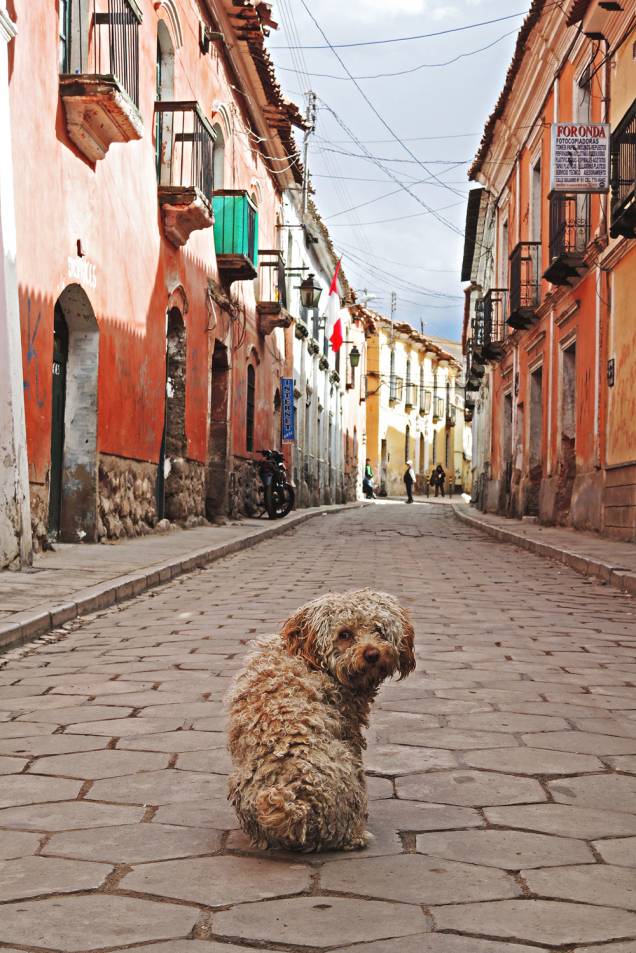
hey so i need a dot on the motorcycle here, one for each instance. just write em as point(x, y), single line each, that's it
point(279, 495)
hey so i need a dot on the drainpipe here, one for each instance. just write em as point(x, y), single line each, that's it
point(15, 512)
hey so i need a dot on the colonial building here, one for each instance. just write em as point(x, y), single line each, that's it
point(414, 406)
point(328, 410)
point(549, 328)
point(152, 160)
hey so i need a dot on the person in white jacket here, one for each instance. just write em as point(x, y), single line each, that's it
point(409, 480)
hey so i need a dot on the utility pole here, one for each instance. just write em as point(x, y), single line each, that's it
point(393, 310)
point(310, 116)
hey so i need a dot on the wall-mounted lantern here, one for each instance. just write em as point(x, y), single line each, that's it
point(310, 292)
point(354, 357)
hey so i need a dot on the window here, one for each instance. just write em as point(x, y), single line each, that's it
point(219, 157)
point(392, 383)
point(249, 410)
point(65, 36)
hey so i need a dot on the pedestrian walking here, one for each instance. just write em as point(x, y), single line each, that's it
point(438, 479)
point(367, 482)
point(409, 480)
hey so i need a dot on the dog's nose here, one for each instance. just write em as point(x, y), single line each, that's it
point(371, 655)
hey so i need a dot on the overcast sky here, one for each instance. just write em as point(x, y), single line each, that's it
point(390, 242)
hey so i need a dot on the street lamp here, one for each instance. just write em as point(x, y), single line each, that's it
point(354, 357)
point(310, 292)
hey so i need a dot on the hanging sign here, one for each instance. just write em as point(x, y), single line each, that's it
point(288, 421)
point(580, 157)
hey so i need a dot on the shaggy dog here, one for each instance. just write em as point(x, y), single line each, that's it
point(296, 717)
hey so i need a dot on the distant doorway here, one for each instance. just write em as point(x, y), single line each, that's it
point(72, 513)
point(216, 487)
point(173, 442)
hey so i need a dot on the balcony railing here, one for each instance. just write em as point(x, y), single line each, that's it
point(185, 163)
point(104, 43)
point(451, 414)
point(623, 179)
point(396, 388)
point(411, 394)
point(489, 329)
point(569, 236)
point(271, 297)
point(525, 262)
point(438, 408)
point(99, 73)
point(235, 234)
point(426, 398)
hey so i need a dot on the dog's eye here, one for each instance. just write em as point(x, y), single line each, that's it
point(346, 635)
point(380, 631)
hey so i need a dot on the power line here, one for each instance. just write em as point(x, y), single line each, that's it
point(373, 201)
point(403, 39)
point(405, 72)
point(397, 218)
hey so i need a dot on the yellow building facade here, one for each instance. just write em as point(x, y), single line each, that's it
point(414, 408)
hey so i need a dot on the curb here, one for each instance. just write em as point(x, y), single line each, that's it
point(615, 576)
point(31, 623)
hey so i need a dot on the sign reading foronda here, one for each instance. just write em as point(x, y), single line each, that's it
point(580, 157)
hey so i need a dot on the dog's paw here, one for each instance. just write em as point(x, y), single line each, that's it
point(359, 843)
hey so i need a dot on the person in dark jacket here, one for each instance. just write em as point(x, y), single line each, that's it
point(438, 479)
point(409, 480)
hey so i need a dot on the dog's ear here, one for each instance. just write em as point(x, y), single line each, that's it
point(406, 661)
point(298, 637)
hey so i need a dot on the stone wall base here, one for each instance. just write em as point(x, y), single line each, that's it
point(39, 494)
point(127, 504)
point(245, 489)
point(619, 502)
point(185, 492)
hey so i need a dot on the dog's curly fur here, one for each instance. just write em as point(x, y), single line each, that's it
point(296, 717)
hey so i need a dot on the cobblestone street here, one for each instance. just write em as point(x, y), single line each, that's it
point(502, 773)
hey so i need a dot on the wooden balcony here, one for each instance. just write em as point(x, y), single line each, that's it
point(99, 76)
point(185, 154)
point(569, 236)
point(271, 303)
point(235, 235)
point(524, 284)
point(623, 178)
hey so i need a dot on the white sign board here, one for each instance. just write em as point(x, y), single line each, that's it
point(580, 157)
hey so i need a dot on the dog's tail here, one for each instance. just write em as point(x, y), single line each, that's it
point(282, 816)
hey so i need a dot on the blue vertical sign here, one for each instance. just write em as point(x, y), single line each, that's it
point(287, 407)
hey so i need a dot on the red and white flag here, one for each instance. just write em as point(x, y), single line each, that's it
point(334, 322)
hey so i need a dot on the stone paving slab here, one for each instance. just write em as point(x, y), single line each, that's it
point(611, 560)
point(501, 774)
point(54, 590)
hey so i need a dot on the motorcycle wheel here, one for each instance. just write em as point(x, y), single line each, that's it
point(279, 501)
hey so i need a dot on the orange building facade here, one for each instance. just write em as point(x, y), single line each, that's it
point(550, 320)
point(151, 147)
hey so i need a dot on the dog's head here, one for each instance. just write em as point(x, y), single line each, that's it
point(359, 637)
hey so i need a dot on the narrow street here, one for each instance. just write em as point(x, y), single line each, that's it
point(502, 773)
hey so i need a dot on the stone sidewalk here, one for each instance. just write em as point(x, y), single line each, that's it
point(502, 773)
point(76, 579)
point(612, 561)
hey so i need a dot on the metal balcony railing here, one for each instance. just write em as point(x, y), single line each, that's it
point(438, 408)
point(569, 235)
point(525, 286)
point(426, 398)
point(272, 288)
point(185, 153)
point(411, 394)
point(396, 388)
point(494, 322)
point(101, 38)
point(623, 176)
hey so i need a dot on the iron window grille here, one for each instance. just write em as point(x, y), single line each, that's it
point(569, 224)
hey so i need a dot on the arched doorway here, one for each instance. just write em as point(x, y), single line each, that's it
point(173, 444)
point(72, 513)
point(217, 475)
